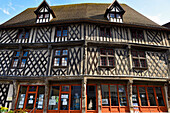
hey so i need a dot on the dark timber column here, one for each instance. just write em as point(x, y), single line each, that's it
point(14, 96)
point(84, 83)
point(99, 97)
point(166, 96)
point(130, 59)
point(129, 89)
point(46, 95)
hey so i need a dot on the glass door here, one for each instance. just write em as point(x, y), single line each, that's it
point(92, 99)
point(65, 101)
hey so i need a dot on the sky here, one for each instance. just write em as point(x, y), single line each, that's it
point(156, 10)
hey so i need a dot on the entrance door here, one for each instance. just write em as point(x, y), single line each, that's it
point(92, 104)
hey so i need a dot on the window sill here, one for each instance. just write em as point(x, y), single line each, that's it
point(59, 66)
point(106, 66)
point(140, 68)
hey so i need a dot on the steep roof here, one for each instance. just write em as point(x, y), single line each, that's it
point(84, 11)
point(167, 25)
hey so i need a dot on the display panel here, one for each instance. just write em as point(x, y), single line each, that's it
point(143, 97)
point(40, 97)
point(21, 97)
point(64, 101)
point(54, 98)
point(151, 96)
point(75, 97)
point(159, 96)
point(122, 95)
point(114, 96)
point(105, 95)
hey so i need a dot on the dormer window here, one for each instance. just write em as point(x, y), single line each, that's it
point(115, 12)
point(44, 13)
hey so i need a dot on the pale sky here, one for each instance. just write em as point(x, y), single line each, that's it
point(156, 10)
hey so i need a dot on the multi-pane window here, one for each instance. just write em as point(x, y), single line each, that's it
point(61, 32)
point(19, 59)
point(43, 15)
point(107, 57)
point(147, 96)
point(137, 34)
point(139, 59)
point(105, 32)
point(23, 34)
point(114, 94)
point(60, 57)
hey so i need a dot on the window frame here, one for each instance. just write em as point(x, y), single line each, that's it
point(139, 58)
point(60, 57)
point(20, 58)
point(23, 32)
point(107, 56)
point(62, 28)
point(140, 107)
point(26, 96)
point(105, 32)
point(64, 92)
point(118, 97)
point(139, 34)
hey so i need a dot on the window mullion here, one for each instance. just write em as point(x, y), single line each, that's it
point(155, 97)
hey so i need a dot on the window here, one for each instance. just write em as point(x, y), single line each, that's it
point(23, 34)
point(60, 57)
point(45, 15)
point(114, 97)
point(65, 97)
point(75, 97)
point(107, 58)
point(61, 32)
point(139, 59)
point(137, 34)
point(149, 97)
point(105, 32)
point(27, 99)
point(115, 17)
point(19, 59)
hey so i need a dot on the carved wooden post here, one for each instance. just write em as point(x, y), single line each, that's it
point(84, 83)
point(130, 59)
point(166, 96)
point(14, 96)
point(99, 97)
point(46, 96)
point(129, 89)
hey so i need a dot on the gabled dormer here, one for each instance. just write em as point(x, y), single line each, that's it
point(114, 13)
point(44, 13)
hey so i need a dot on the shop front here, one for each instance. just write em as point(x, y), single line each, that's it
point(148, 98)
point(67, 98)
point(31, 98)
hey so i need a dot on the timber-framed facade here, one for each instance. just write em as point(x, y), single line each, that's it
point(84, 58)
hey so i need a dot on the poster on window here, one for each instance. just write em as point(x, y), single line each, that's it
point(52, 102)
point(64, 96)
point(104, 101)
point(20, 106)
point(30, 102)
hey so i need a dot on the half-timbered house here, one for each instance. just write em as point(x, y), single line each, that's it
point(84, 58)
